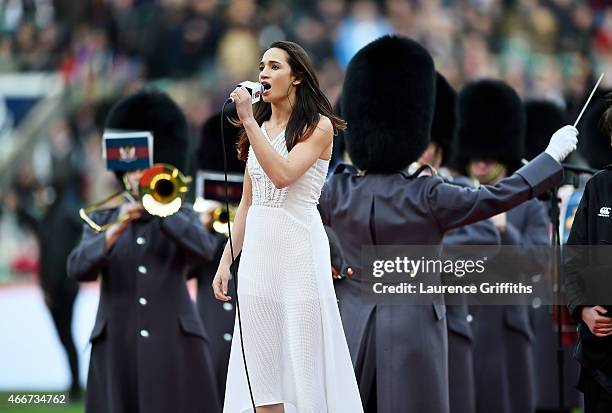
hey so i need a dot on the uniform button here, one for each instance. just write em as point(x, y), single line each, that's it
point(469, 318)
point(349, 272)
point(228, 306)
point(227, 337)
point(140, 240)
point(142, 269)
point(144, 333)
point(142, 301)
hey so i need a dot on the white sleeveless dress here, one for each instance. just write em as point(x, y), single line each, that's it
point(295, 347)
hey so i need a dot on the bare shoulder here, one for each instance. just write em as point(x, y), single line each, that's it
point(324, 132)
point(325, 125)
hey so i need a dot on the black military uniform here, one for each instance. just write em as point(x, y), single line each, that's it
point(149, 350)
point(461, 385)
point(503, 335)
point(591, 226)
point(218, 317)
point(400, 351)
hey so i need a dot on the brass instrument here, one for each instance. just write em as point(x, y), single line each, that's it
point(220, 218)
point(161, 190)
point(211, 194)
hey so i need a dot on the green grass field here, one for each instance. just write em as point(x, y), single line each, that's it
point(6, 406)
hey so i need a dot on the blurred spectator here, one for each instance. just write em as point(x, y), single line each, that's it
point(199, 49)
point(55, 222)
point(239, 52)
point(218, 42)
point(360, 27)
point(310, 33)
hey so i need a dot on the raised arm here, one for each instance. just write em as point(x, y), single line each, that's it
point(285, 171)
point(89, 257)
point(454, 207)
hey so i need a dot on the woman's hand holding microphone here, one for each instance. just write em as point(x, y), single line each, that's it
point(244, 106)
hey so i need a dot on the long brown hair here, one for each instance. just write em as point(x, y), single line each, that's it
point(309, 102)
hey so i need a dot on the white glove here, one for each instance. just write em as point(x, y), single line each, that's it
point(562, 143)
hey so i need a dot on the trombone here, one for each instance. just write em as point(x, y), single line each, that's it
point(161, 189)
point(214, 215)
point(220, 218)
point(211, 195)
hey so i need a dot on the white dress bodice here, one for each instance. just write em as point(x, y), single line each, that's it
point(302, 193)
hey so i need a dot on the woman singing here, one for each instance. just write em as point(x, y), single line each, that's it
point(296, 351)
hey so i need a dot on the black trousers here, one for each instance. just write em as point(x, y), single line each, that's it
point(366, 369)
point(61, 311)
point(596, 398)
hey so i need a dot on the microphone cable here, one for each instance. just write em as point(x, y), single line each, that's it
point(233, 266)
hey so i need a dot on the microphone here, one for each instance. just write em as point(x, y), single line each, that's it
point(255, 89)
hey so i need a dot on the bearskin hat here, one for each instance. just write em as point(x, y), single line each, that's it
point(210, 150)
point(444, 126)
point(491, 124)
point(156, 112)
point(543, 119)
point(387, 101)
point(593, 143)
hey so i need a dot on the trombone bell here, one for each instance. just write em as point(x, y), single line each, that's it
point(161, 188)
point(220, 218)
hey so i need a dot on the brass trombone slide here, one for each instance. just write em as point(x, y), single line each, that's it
point(161, 190)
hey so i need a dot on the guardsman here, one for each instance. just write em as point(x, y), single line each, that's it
point(461, 386)
point(400, 351)
point(491, 146)
point(149, 352)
